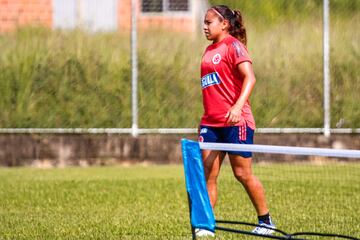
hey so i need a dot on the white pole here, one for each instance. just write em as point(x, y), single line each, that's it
point(326, 45)
point(306, 151)
point(134, 69)
point(79, 13)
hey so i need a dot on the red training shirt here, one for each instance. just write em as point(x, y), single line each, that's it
point(221, 82)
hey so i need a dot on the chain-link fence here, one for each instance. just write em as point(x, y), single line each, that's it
point(345, 63)
point(285, 41)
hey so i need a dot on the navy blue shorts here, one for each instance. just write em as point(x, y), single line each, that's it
point(232, 134)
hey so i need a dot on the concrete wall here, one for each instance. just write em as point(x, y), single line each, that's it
point(86, 149)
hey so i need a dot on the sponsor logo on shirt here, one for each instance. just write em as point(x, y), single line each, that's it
point(216, 59)
point(210, 79)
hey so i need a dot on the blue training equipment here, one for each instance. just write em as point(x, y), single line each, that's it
point(201, 213)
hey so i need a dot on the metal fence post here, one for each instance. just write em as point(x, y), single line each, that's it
point(134, 69)
point(326, 45)
point(79, 13)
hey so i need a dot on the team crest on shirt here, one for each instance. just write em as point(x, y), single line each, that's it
point(210, 79)
point(216, 59)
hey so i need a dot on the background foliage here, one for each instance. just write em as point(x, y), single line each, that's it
point(75, 79)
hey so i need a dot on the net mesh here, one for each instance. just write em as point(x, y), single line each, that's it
point(321, 196)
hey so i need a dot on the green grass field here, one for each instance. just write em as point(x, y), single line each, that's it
point(149, 202)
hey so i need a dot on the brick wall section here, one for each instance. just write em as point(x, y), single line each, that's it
point(124, 14)
point(15, 13)
point(179, 23)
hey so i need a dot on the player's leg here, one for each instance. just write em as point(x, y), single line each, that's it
point(242, 170)
point(212, 164)
point(212, 161)
point(241, 163)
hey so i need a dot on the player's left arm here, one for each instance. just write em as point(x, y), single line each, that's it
point(246, 73)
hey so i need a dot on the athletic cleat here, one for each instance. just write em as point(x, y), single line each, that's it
point(264, 229)
point(203, 233)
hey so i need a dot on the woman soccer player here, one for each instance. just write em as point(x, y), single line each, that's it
point(227, 80)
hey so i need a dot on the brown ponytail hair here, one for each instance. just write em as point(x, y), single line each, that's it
point(236, 23)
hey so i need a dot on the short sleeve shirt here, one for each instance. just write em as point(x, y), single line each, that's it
point(221, 82)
